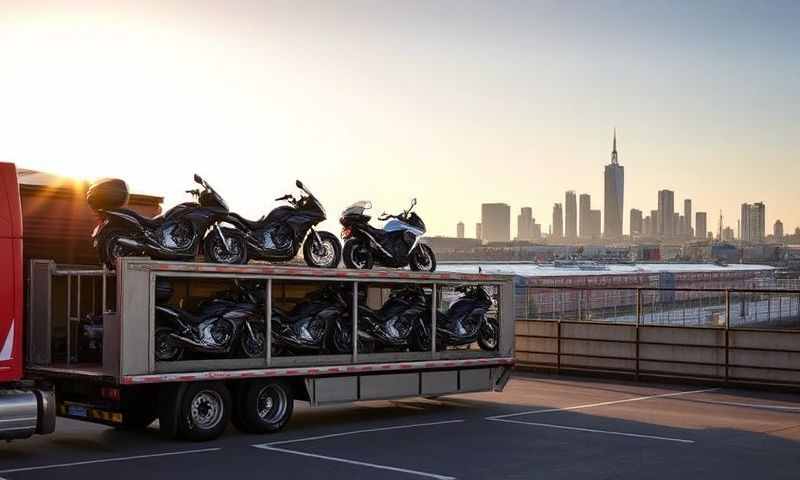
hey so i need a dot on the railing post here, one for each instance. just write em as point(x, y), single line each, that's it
point(433, 322)
point(558, 346)
point(638, 321)
point(268, 333)
point(355, 322)
point(727, 328)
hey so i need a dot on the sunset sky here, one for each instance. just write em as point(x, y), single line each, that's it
point(454, 102)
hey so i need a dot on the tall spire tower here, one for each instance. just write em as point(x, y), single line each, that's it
point(614, 195)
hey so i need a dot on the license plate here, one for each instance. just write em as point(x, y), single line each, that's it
point(77, 411)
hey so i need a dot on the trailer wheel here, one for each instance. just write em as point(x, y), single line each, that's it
point(204, 412)
point(265, 406)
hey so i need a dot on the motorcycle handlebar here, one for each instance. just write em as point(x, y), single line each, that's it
point(285, 197)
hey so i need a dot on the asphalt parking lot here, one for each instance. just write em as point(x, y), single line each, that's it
point(540, 427)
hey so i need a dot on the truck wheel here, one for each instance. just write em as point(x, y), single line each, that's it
point(265, 406)
point(204, 412)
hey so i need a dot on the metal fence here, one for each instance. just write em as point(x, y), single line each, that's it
point(727, 335)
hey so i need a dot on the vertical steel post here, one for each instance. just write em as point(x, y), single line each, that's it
point(558, 346)
point(355, 322)
point(268, 307)
point(77, 315)
point(727, 328)
point(69, 313)
point(103, 295)
point(638, 321)
point(580, 301)
point(433, 322)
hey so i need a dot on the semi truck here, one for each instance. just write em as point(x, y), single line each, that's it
point(85, 346)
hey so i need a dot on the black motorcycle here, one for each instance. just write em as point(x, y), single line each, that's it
point(389, 327)
point(279, 235)
point(396, 245)
point(175, 235)
point(310, 324)
point(466, 321)
point(222, 326)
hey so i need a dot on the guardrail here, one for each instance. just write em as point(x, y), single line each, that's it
point(726, 335)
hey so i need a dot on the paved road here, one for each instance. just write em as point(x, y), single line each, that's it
point(540, 427)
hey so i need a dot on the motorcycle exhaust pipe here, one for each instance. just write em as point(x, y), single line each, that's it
point(129, 242)
point(195, 344)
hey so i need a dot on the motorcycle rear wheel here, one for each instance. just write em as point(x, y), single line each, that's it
point(167, 348)
point(357, 255)
point(109, 249)
point(326, 254)
point(489, 335)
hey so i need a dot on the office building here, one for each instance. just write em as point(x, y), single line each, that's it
point(752, 222)
point(460, 230)
point(666, 213)
point(584, 207)
point(700, 225)
point(777, 230)
point(614, 195)
point(557, 231)
point(687, 217)
point(594, 225)
point(570, 216)
point(478, 231)
point(496, 222)
point(636, 227)
point(525, 224)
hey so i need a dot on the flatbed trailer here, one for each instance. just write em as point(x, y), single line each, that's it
point(195, 398)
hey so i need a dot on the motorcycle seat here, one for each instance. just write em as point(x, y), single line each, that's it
point(251, 224)
point(146, 221)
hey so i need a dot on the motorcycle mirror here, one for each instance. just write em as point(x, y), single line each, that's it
point(299, 185)
point(199, 179)
point(413, 202)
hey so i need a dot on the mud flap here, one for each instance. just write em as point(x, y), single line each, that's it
point(169, 400)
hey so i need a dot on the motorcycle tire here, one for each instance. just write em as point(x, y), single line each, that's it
point(332, 251)
point(170, 350)
point(216, 252)
point(265, 406)
point(205, 409)
point(423, 259)
point(357, 255)
point(246, 343)
point(420, 341)
point(489, 335)
point(107, 247)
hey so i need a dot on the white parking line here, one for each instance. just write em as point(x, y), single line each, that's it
point(600, 404)
point(108, 460)
point(762, 406)
point(356, 462)
point(271, 446)
point(354, 432)
point(594, 430)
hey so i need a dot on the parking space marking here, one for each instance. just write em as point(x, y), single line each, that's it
point(355, 432)
point(600, 404)
point(356, 462)
point(761, 406)
point(108, 460)
point(594, 430)
point(271, 446)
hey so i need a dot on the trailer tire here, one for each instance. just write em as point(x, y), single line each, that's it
point(265, 406)
point(169, 400)
point(205, 409)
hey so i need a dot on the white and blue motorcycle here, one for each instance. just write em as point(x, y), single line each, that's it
point(396, 245)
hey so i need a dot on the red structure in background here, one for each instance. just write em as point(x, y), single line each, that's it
point(10, 276)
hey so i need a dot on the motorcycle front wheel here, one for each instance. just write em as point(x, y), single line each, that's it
point(341, 342)
point(357, 255)
point(325, 253)
point(254, 346)
point(231, 251)
point(423, 259)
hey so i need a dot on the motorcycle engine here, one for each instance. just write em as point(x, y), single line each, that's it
point(277, 237)
point(468, 325)
point(216, 333)
point(312, 330)
point(177, 236)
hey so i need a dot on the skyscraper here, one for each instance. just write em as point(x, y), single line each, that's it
point(584, 220)
point(496, 222)
point(700, 225)
point(570, 216)
point(460, 229)
point(558, 222)
point(614, 195)
point(687, 217)
point(666, 213)
point(525, 224)
point(636, 227)
point(479, 231)
point(777, 230)
point(594, 225)
point(752, 222)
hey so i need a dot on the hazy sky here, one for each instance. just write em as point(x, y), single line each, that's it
point(456, 103)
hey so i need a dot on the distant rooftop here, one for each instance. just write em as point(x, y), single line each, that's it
point(526, 269)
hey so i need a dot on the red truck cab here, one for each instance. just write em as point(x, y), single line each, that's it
point(24, 409)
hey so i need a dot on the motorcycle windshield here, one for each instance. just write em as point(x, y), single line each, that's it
point(357, 208)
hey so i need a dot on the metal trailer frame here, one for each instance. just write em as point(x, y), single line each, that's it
point(128, 351)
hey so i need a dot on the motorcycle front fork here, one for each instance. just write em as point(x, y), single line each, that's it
point(222, 237)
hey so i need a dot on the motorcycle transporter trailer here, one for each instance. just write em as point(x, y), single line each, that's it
point(195, 397)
